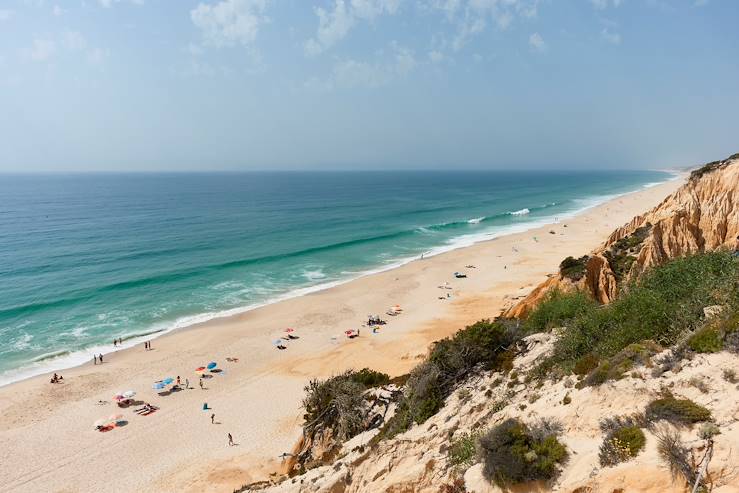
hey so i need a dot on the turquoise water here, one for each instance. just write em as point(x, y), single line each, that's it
point(88, 258)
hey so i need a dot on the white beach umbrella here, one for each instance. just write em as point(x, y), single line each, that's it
point(129, 394)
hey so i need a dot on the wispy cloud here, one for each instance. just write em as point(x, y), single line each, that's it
point(42, 49)
point(348, 74)
point(536, 42)
point(604, 4)
point(611, 37)
point(229, 22)
point(335, 24)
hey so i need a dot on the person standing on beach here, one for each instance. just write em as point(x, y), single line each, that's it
point(230, 440)
point(178, 380)
point(201, 383)
point(100, 357)
point(212, 418)
point(115, 342)
point(94, 359)
point(187, 383)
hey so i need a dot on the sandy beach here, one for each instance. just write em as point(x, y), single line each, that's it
point(48, 441)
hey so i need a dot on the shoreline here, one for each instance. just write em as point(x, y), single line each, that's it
point(63, 360)
point(257, 399)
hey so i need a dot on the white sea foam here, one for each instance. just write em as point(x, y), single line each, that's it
point(521, 212)
point(476, 220)
point(313, 275)
point(68, 360)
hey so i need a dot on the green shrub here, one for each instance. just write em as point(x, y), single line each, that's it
point(557, 309)
point(335, 403)
point(573, 268)
point(567, 399)
point(661, 306)
point(621, 444)
point(484, 344)
point(370, 378)
point(706, 340)
point(585, 364)
point(615, 367)
point(462, 449)
point(676, 411)
point(513, 453)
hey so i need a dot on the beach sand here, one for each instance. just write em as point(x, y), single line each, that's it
point(47, 438)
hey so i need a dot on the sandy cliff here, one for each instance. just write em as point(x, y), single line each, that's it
point(702, 215)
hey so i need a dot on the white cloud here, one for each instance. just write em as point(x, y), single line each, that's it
point(5, 14)
point(73, 40)
point(436, 56)
point(334, 25)
point(229, 22)
point(604, 4)
point(42, 49)
point(348, 74)
point(611, 37)
point(473, 16)
point(97, 55)
point(109, 3)
point(536, 42)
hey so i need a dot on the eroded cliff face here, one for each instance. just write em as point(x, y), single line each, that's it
point(702, 215)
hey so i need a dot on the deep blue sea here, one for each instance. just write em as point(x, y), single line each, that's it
point(85, 258)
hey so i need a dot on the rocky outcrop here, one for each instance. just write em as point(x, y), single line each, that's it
point(702, 215)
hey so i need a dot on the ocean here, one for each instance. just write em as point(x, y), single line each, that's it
point(85, 258)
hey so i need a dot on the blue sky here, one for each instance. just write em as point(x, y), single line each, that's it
point(139, 85)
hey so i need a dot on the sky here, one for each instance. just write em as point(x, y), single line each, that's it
point(178, 85)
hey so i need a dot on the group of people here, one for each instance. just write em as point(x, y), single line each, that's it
point(117, 342)
point(97, 358)
point(57, 378)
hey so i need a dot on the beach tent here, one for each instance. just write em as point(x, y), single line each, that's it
point(212, 365)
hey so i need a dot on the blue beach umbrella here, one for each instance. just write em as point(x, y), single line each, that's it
point(158, 386)
point(168, 380)
point(211, 365)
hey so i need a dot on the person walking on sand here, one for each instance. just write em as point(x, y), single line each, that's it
point(115, 342)
point(201, 384)
point(100, 357)
point(230, 440)
point(187, 383)
point(178, 380)
point(94, 359)
point(212, 418)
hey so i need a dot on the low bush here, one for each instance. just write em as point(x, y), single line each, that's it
point(462, 449)
point(370, 378)
point(488, 345)
point(615, 367)
point(706, 340)
point(676, 456)
point(557, 309)
point(513, 453)
point(336, 403)
point(573, 268)
point(662, 305)
point(676, 411)
point(730, 375)
point(621, 444)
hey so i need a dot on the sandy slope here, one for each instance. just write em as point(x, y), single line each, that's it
point(47, 441)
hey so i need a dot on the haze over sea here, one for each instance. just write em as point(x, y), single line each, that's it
point(85, 258)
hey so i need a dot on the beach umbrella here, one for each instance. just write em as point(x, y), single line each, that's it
point(158, 385)
point(348, 332)
point(288, 330)
point(129, 394)
point(277, 342)
point(101, 422)
point(119, 397)
point(200, 369)
point(211, 365)
point(115, 418)
point(167, 381)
